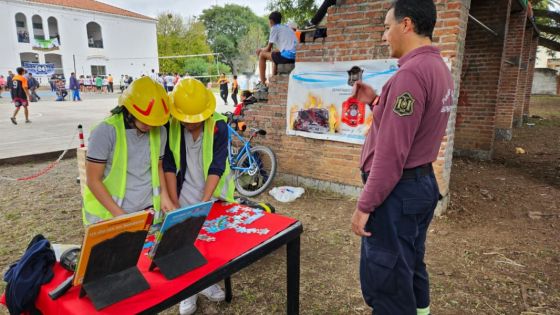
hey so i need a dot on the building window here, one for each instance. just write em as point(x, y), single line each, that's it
point(28, 57)
point(53, 29)
point(55, 59)
point(98, 70)
point(38, 32)
point(21, 28)
point(95, 38)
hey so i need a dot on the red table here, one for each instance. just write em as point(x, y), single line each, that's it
point(230, 252)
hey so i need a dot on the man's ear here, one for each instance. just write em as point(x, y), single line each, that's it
point(407, 25)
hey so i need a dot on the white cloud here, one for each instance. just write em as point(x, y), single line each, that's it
point(185, 8)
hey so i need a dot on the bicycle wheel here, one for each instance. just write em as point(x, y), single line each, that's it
point(254, 182)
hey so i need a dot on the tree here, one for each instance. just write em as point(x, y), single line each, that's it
point(226, 26)
point(299, 11)
point(177, 37)
point(248, 44)
point(548, 22)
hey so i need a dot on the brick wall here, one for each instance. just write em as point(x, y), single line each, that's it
point(355, 29)
point(530, 74)
point(510, 78)
point(480, 79)
point(523, 76)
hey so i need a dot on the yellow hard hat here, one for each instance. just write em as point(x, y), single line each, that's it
point(147, 101)
point(191, 101)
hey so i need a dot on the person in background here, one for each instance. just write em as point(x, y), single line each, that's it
point(121, 83)
point(81, 81)
point(20, 95)
point(33, 85)
point(105, 85)
point(74, 87)
point(99, 83)
point(223, 83)
point(110, 81)
point(52, 82)
point(9, 83)
point(169, 84)
point(61, 91)
point(319, 15)
point(285, 40)
point(176, 78)
point(2, 85)
point(234, 90)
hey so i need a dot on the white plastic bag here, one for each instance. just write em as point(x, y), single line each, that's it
point(286, 193)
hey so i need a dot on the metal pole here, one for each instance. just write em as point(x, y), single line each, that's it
point(74, 57)
point(484, 26)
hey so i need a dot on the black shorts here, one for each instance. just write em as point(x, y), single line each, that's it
point(18, 102)
point(279, 60)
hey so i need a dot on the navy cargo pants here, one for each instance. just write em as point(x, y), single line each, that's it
point(393, 274)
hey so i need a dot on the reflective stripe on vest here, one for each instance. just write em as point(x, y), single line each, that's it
point(226, 187)
point(115, 182)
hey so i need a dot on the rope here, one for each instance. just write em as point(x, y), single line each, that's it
point(48, 168)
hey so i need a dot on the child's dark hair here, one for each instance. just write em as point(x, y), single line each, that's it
point(246, 93)
point(275, 17)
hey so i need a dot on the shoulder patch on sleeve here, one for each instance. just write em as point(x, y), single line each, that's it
point(404, 105)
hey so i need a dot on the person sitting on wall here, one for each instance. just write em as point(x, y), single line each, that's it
point(285, 40)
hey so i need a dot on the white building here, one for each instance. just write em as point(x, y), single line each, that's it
point(85, 36)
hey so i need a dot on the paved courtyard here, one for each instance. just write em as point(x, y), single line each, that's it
point(54, 124)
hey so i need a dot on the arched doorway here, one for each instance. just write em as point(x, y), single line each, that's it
point(21, 28)
point(95, 38)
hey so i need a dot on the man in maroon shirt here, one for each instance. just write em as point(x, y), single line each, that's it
point(400, 191)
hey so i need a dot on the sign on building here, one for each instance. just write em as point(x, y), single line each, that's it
point(37, 69)
point(319, 98)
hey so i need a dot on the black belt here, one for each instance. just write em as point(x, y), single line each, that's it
point(409, 173)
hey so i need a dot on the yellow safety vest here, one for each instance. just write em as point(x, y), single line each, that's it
point(226, 187)
point(115, 182)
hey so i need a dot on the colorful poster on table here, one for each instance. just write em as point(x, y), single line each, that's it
point(319, 98)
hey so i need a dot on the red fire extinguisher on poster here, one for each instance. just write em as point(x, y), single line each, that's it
point(353, 112)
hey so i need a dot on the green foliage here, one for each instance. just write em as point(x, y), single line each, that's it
point(299, 11)
point(177, 37)
point(248, 44)
point(226, 26)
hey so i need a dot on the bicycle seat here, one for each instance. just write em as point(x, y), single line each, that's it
point(258, 131)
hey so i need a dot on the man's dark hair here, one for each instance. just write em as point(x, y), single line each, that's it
point(20, 70)
point(422, 13)
point(275, 17)
point(72, 73)
point(235, 77)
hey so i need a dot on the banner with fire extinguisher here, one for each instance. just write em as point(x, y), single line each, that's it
point(319, 98)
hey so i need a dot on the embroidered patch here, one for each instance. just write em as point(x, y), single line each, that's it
point(404, 106)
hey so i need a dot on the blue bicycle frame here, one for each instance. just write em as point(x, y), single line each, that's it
point(234, 157)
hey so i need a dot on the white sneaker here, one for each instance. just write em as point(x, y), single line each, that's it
point(214, 293)
point(188, 306)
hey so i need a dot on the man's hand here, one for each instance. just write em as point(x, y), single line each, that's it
point(363, 92)
point(359, 220)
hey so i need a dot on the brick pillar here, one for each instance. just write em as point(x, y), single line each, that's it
point(523, 72)
point(510, 74)
point(474, 132)
point(530, 74)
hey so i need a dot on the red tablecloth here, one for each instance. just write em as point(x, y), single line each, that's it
point(228, 245)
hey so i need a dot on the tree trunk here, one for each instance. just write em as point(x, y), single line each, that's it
point(550, 44)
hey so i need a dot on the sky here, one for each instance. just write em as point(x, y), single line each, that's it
point(186, 8)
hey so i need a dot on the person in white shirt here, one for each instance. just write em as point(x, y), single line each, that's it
point(284, 38)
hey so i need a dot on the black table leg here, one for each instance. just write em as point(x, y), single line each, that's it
point(293, 256)
point(229, 294)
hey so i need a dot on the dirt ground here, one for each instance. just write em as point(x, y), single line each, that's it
point(496, 251)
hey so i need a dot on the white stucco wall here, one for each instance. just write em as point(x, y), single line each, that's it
point(544, 81)
point(129, 44)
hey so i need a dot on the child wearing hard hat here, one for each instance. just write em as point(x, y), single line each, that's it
point(195, 163)
point(124, 159)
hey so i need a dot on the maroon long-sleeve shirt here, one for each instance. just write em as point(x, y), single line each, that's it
point(409, 123)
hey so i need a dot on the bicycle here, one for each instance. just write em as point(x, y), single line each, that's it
point(254, 168)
